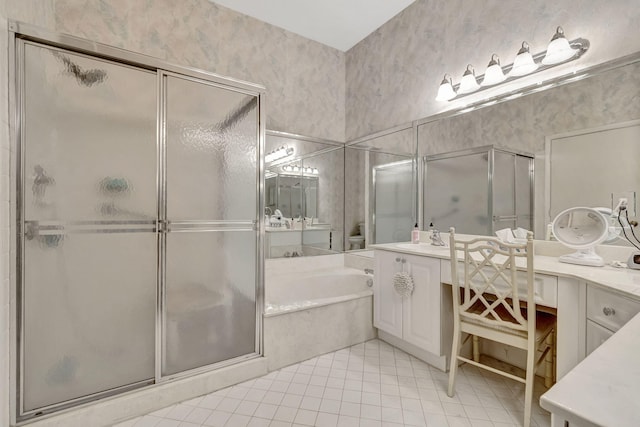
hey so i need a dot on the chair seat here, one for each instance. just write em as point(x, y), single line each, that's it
point(544, 321)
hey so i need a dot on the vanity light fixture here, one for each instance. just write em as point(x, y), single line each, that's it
point(278, 154)
point(524, 63)
point(559, 51)
point(445, 91)
point(469, 83)
point(494, 73)
point(308, 170)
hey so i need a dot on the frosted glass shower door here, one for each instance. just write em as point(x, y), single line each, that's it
point(393, 205)
point(456, 193)
point(87, 293)
point(211, 237)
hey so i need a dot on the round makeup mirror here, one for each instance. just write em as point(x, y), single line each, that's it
point(582, 229)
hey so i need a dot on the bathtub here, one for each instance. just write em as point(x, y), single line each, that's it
point(299, 291)
point(312, 311)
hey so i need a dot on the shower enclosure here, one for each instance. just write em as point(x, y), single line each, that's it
point(137, 221)
point(478, 191)
point(393, 206)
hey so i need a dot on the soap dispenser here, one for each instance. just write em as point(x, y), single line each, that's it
point(415, 234)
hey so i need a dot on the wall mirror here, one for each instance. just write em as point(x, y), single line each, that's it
point(380, 188)
point(304, 196)
point(613, 148)
point(581, 129)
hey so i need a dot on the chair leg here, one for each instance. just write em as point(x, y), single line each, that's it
point(476, 349)
point(548, 360)
point(555, 354)
point(528, 387)
point(453, 368)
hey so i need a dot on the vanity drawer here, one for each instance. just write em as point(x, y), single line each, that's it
point(608, 309)
point(545, 287)
point(596, 335)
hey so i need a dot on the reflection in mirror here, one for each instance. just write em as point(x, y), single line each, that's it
point(304, 194)
point(614, 148)
point(609, 95)
point(380, 188)
point(478, 191)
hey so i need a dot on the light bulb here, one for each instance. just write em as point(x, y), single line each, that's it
point(445, 91)
point(524, 63)
point(559, 49)
point(494, 74)
point(468, 83)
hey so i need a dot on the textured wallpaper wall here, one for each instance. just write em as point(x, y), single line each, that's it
point(393, 75)
point(524, 123)
point(304, 79)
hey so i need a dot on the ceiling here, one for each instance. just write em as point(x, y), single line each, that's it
point(340, 24)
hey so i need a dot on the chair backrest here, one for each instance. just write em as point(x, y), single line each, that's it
point(490, 289)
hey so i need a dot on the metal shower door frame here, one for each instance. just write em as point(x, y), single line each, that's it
point(490, 150)
point(372, 199)
point(19, 34)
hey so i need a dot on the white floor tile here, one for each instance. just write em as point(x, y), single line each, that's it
point(217, 419)
point(330, 406)
point(305, 417)
point(265, 410)
point(285, 414)
point(368, 385)
point(238, 420)
point(198, 415)
point(326, 420)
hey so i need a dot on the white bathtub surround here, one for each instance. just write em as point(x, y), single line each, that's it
point(292, 337)
point(313, 306)
point(602, 390)
point(370, 384)
point(294, 265)
point(359, 259)
point(302, 290)
point(116, 409)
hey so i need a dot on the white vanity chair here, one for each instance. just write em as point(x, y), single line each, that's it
point(492, 300)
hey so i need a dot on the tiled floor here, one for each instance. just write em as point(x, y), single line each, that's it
point(367, 385)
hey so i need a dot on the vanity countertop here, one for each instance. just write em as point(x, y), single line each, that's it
point(623, 280)
point(603, 389)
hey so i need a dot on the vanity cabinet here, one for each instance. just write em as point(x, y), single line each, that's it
point(414, 319)
point(606, 313)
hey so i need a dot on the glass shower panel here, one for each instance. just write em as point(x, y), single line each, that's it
point(210, 298)
point(211, 151)
point(524, 218)
point(90, 146)
point(89, 314)
point(504, 187)
point(89, 261)
point(393, 206)
point(456, 194)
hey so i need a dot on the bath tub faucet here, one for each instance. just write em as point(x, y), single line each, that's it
point(368, 271)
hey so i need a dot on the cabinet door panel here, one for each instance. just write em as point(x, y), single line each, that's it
point(421, 310)
point(387, 304)
point(596, 336)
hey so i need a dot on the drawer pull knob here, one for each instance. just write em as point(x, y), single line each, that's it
point(402, 260)
point(608, 311)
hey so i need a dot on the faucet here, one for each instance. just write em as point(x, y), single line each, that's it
point(436, 240)
point(368, 271)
